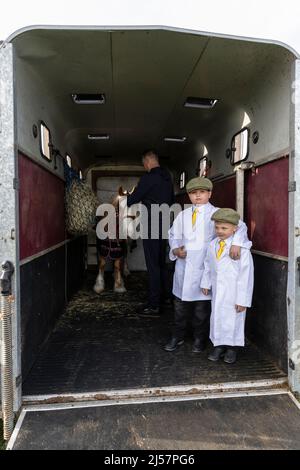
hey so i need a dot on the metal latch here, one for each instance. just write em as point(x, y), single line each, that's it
point(16, 184)
point(291, 364)
point(298, 267)
point(292, 186)
point(18, 380)
point(244, 166)
point(5, 279)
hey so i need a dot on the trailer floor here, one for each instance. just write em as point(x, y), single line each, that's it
point(101, 343)
point(254, 422)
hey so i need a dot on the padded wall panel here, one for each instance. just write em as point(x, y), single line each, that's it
point(41, 208)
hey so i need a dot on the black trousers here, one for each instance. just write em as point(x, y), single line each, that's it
point(155, 256)
point(199, 311)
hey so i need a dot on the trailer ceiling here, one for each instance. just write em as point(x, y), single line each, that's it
point(146, 77)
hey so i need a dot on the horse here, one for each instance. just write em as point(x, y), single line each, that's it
point(116, 250)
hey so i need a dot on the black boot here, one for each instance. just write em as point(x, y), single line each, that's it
point(199, 345)
point(173, 344)
point(217, 353)
point(150, 311)
point(230, 356)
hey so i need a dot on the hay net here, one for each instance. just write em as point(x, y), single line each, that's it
point(80, 203)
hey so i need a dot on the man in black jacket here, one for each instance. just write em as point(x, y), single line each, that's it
point(155, 187)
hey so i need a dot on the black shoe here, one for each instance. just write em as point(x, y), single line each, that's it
point(150, 312)
point(199, 346)
point(217, 353)
point(230, 356)
point(173, 344)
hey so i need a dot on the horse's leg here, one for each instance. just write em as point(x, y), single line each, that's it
point(99, 284)
point(119, 283)
point(126, 271)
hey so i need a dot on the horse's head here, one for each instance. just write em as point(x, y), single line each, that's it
point(121, 193)
point(127, 218)
point(124, 192)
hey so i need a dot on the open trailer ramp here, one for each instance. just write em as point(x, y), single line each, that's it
point(257, 420)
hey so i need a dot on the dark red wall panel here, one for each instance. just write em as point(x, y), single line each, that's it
point(224, 193)
point(266, 210)
point(42, 217)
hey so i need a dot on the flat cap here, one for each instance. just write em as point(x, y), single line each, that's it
point(226, 215)
point(199, 183)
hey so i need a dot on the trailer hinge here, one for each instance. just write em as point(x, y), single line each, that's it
point(298, 267)
point(5, 278)
point(297, 231)
point(292, 186)
point(16, 183)
point(291, 364)
point(244, 166)
point(18, 380)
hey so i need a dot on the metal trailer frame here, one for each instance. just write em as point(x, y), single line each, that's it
point(9, 197)
point(293, 290)
point(9, 210)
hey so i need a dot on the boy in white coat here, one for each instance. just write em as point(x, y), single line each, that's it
point(189, 237)
point(231, 284)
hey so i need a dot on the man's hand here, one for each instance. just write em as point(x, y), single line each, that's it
point(235, 252)
point(180, 252)
point(240, 308)
point(205, 291)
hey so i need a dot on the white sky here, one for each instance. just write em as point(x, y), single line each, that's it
point(268, 19)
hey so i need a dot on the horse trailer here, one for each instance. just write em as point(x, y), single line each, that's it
point(224, 106)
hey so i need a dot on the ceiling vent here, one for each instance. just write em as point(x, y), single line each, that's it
point(88, 98)
point(98, 136)
point(175, 139)
point(204, 103)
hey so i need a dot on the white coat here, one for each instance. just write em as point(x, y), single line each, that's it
point(231, 283)
point(189, 271)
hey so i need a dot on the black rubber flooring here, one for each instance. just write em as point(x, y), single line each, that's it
point(101, 343)
point(264, 422)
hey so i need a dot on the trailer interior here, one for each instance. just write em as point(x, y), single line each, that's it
point(187, 95)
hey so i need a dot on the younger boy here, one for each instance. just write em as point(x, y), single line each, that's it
point(231, 284)
point(189, 237)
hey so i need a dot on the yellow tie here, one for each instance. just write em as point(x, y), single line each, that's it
point(194, 217)
point(221, 249)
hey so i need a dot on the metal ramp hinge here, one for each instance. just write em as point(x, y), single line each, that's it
point(18, 380)
point(298, 267)
point(292, 186)
point(291, 364)
point(16, 184)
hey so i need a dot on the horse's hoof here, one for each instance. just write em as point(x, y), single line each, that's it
point(126, 272)
point(98, 289)
point(120, 290)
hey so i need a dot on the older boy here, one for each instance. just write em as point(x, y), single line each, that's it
point(189, 238)
point(231, 283)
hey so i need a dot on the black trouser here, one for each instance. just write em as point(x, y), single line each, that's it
point(199, 310)
point(155, 256)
